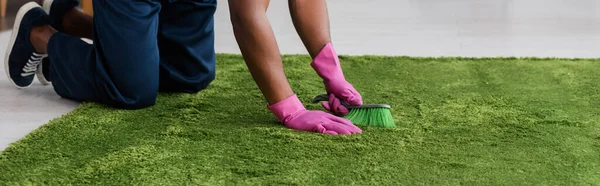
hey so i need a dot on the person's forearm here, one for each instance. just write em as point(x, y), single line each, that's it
point(311, 21)
point(257, 43)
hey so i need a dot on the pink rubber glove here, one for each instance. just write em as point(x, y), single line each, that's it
point(327, 65)
point(292, 114)
point(335, 106)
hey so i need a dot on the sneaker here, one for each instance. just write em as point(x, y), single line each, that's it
point(21, 60)
point(43, 72)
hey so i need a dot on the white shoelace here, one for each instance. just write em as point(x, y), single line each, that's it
point(32, 64)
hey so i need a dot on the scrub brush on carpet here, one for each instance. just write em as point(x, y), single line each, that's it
point(375, 115)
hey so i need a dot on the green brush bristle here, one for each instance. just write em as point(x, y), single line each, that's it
point(375, 117)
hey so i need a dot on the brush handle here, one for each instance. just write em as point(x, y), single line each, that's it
point(320, 97)
point(325, 97)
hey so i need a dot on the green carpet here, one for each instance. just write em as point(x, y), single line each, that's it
point(460, 121)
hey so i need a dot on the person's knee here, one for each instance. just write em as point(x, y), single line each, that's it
point(138, 99)
point(133, 93)
point(209, 78)
point(201, 85)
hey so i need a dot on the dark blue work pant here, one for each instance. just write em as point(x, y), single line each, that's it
point(140, 47)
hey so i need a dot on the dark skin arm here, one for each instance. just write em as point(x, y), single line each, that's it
point(257, 43)
point(311, 21)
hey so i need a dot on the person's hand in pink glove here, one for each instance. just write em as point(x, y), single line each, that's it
point(335, 106)
point(292, 114)
point(327, 65)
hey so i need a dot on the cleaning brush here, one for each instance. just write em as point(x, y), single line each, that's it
point(375, 115)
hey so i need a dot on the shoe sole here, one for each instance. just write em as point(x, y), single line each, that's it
point(47, 6)
point(15, 32)
point(39, 73)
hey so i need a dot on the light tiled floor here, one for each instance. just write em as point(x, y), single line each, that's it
point(543, 28)
point(22, 111)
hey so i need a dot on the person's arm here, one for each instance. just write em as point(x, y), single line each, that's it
point(311, 21)
point(259, 48)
